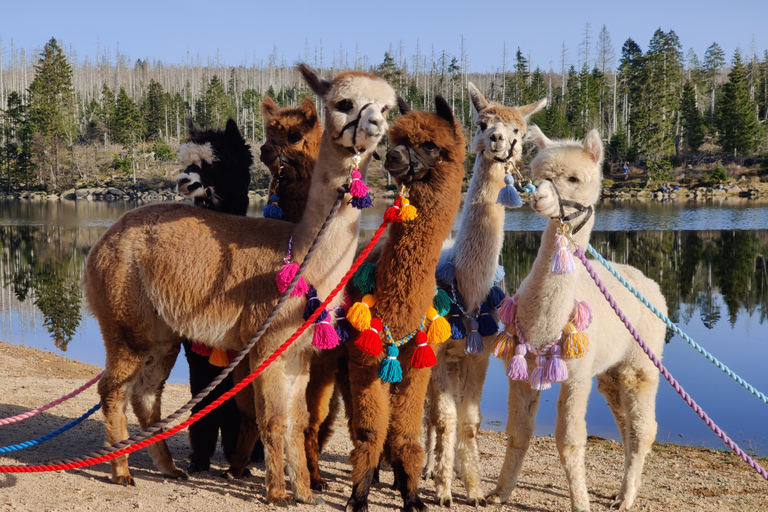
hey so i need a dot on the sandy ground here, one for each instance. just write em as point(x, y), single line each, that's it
point(675, 479)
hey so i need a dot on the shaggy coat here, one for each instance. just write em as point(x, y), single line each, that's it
point(453, 408)
point(626, 376)
point(162, 273)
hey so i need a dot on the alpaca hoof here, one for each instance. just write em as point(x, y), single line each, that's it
point(477, 502)
point(415, 506)
point(318, 485)
point(311, 500)
point(124, 480)
point(356, 506)
point(197, 467)
point(444, 501)
point(494, 499)
point(179, 474)
point(620, 504)
point(282, 501)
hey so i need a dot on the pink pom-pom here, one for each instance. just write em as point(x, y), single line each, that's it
point(582, 317)
point(357, 188)
point(562, 260)
point(539, 380)
point(286, 275)
point(557, 371)
point(518, 367)
point(325, 336)
point(301, 288)
point(508, 310)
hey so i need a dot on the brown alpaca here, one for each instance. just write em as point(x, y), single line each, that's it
point(427, 158)
point(292, 142)
point(167, 272)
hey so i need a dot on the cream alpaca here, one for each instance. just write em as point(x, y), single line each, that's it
point(165, 272)
point(455, 389)
point(545, 305)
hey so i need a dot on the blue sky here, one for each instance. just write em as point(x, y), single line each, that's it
point(241, 32)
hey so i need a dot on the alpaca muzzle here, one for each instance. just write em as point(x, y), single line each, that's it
point(406, 165)
point(579, 209)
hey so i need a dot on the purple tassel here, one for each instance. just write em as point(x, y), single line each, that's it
point(508, 310)
point(518, 367)
point(343, 329)
point(557, 371)
point(539, 380)
point(474, 343)
point(362, 202)
point(562, 260)
point(486, 324)
point(313, 302)
point(508, 196)
point(582, 317)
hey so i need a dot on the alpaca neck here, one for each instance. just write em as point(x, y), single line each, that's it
point(480, 236)
point(545, 302)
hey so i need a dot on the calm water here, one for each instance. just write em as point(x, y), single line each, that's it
point(709, 258)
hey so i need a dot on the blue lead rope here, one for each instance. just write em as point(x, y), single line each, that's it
point(27, 444)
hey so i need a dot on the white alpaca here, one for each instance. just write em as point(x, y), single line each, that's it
point(165, 272)
point(456, 386)
point(570, 171)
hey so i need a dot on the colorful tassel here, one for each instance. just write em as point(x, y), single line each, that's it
point(393, 212)
point(458, 329)
point(442, 302)
point(359, 315)
point(539, 380)
point(508, 196)
point(486, 324)
point(576, 343)
point(369, 341)
point(444, 273)
point(494, 297)
point(557, 371)
point(502, 345)
point(362, 202)
point(325, 336)
point(357, 187)
point(518, 366)
point(562, 260)
point(286, 275)
point(272, 210)
point(364, 278)
point(439, 329)
point(218, 357)
point(343, 329)
point(582, 316)
point(498, 276)
point(389, 368)
point(530, 188)
point(423, 356)
point(508, 310)
point(313, 302)
point(474, 340)
point(407, 211)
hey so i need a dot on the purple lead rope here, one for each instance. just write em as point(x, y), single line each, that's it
point(579, 253)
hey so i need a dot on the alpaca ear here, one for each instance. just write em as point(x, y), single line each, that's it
point(593, 146)
point(443, 109)
point(318, 85)
point(308, 109)
point(403, 106)
point(536, 136)
point(191, 128)
point(478, 100)
point(268, 107)
point(529, 110)
point(233, 132)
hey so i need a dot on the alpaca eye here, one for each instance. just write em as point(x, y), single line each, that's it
point(294, 137)
point(429, 146)
point(483, 127)
point(573, 179)
point(384, 110)
point(344, 106)
point(516, 130)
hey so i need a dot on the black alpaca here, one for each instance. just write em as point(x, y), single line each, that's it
point(217, 176)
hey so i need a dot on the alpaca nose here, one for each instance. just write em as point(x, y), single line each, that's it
point(497, 137)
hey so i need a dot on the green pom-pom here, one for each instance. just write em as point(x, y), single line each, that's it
point(389, 368)
point(364, 279)
point(442, 302)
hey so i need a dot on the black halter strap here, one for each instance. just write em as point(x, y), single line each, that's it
point(509, 154)
point(414, 155)
point(354, 123)
point(580, 210)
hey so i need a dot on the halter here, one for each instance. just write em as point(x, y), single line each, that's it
point(413, 157)
point(354, 123)
point(580, 210)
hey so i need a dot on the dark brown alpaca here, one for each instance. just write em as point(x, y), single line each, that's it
point(427, 159)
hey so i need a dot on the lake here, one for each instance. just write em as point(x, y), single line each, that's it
point(709, 258)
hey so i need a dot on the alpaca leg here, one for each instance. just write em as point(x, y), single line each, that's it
point(608, 384)
point(248, 432)
point(442, 422)
point(470, 417)
point(429, 432)
point(295, 453)
point(321, 393)
point(146, 402)
point(571, 438)
point(404, 438)
point(523, 402)
point(369, 414)
point(639, 387)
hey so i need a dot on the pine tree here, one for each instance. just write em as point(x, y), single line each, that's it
point(127, 123)
point(714, 61)
point(693, 123)
point(107, 111)
point(51, 95)
point(153, 110)
point(215, 107)
point(17, 143)
point(737, 122)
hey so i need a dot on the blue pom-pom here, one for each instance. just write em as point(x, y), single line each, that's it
point(508, 196)
point(474, 343)
point(444, 273)
point(530, 188)
point(313, 302)
point(389, 368)
point(458, 329)
point(343, 329)
point(499, 275)
point(272, 211)
point(494, 297)
point(442, 302)
point(362, 202)
point(486, 324)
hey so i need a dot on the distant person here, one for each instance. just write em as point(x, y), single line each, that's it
point(626, 169)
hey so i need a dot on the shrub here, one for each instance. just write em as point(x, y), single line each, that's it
point(659, 171)
point(163, 151)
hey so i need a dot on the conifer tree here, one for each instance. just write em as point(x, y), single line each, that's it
point(153, 109)
point(693, 123)
point(127, 124)
point(51, 95)
point(737, 122)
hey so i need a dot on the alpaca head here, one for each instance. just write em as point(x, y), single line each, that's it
point(568, 169)
point(292, 139)
point(217, 171)
point(428, 150)
point(356, 107)
point(500, 129)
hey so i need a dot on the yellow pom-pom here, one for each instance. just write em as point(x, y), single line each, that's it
point(407, 210)
point(359, 315)
point(576, 343)
point(218, 358)
point(439, 330)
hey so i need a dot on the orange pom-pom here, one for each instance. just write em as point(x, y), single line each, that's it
point(218, 357)
point(439, 329)
point(576, 343)
point(359, 315)
point(369, 341)
point(424, 355)
point(407, 211)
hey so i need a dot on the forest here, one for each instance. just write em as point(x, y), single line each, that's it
point(65, 123)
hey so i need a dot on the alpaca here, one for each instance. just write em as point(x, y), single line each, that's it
point(167, 272)
point(426, 158)
point(470, 267)
point(293, 139)
point(547, 317)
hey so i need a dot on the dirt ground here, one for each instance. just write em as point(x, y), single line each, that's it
point(676, 478)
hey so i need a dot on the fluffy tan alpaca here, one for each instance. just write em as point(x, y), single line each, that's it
point(455, 390)
point(167, 272)
point(544, 308)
